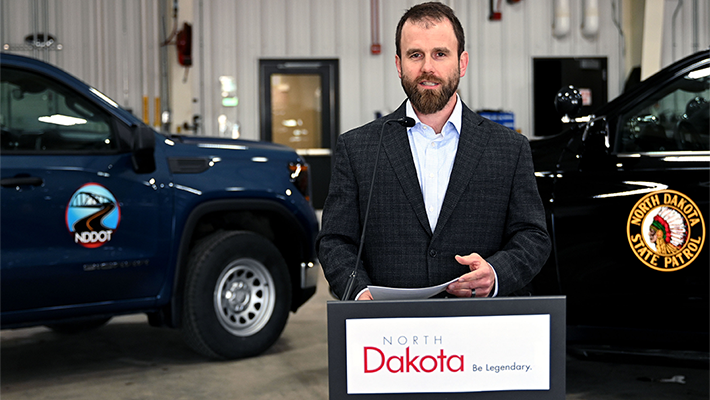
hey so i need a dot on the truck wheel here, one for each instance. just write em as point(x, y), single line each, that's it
point(237, 295)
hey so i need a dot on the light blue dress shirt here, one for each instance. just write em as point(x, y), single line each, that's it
point(434, 154)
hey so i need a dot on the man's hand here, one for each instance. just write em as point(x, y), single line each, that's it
point(365, 296)
point(481, 278)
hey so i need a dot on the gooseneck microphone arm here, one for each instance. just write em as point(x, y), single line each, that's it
point(406, 122)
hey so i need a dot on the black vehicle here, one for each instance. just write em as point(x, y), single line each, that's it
point(626, 196)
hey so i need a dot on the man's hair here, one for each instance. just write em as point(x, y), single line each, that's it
point(426, 12)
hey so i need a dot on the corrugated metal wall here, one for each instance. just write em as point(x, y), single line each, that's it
point(114, 45)
point(499, 74)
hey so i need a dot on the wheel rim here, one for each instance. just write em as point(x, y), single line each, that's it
point(244, 297)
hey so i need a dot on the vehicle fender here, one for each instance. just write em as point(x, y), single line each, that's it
point(223, 205)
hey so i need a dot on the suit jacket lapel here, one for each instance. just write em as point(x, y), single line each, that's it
point(399, 153)
point(472, 143)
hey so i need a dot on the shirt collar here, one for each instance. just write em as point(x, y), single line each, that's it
point(454, 118)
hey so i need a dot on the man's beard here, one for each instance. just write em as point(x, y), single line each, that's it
point(430, 101)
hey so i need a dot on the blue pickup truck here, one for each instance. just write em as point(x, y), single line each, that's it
point(103, 216)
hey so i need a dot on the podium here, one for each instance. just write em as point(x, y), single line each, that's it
point(480, 348)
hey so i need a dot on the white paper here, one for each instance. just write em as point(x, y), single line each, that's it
point(388, 293)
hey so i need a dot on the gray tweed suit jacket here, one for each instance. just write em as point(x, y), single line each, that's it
point(491, 207)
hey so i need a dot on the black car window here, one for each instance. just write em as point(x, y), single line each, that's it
point(673, 119)
point(38, 115)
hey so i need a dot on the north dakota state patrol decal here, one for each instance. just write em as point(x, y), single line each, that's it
point(666, 230)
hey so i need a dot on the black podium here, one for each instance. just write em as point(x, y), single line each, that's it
point(500, 348)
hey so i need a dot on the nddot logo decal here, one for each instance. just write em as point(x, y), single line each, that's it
point(92, 215)
point(666, 230)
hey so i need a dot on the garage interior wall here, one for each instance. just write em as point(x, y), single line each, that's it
point(111, 45)
point(114, 45)
point(499, 74)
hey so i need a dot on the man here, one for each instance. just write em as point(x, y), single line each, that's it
point(453, 184)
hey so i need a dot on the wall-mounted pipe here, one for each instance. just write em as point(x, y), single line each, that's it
point(673, 22)
point(696, 26)
point(375, 46)
point(590, 23)
point(561, 23)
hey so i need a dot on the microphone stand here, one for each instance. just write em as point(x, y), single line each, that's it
point(406, 122)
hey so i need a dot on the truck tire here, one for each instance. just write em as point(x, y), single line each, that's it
point(237, 295)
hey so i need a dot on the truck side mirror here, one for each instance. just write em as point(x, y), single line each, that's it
point(143, 149)
point(568, 102)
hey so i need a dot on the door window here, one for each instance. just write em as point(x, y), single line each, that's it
point(673, 119)
point(296, 110)
point(38, 115)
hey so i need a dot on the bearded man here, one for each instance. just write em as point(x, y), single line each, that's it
point(454, 196)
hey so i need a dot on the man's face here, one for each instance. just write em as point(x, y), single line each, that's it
point(430, 67)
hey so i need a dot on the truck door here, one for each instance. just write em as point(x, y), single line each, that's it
point(631, 223)
point(79, 226)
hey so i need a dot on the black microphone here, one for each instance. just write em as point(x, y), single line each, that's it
point(406, 122)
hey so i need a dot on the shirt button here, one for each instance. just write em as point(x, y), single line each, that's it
point(432, 253)
point(433, 144)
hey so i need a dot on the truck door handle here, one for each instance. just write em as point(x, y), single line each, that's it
point(21, 181)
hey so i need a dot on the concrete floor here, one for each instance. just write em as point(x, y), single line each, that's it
point(127, 359)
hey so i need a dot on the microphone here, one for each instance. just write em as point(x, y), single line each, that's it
point(406, 122)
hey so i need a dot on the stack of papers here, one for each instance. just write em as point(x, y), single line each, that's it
point(388, 293)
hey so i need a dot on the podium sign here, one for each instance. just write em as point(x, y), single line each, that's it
point(448, 348)
point(448, 354)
